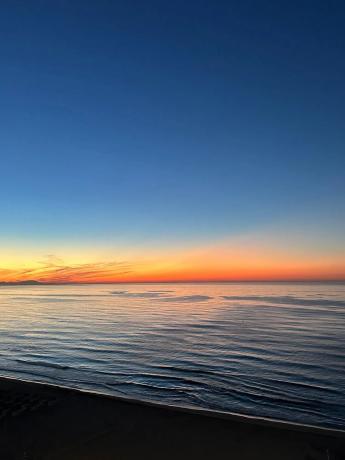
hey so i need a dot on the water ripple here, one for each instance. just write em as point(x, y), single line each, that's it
point(260, 349)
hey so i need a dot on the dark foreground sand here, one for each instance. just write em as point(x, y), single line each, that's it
point(46, 422)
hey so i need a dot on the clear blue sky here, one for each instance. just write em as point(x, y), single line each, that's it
point(170, 119)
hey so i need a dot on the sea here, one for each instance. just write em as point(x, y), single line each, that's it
point(273, 350)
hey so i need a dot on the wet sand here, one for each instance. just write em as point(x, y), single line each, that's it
point(40, 421)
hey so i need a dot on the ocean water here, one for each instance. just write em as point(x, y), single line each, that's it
point(270, 350)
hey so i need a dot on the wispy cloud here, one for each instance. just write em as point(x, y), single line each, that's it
point(265, 256)
point(53, 269)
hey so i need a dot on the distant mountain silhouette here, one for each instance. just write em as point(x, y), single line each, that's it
point(19, 283)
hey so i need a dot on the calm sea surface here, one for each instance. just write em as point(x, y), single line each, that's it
point(272, 350)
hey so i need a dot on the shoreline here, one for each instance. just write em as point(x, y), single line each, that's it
point(232, 416)
point(47, 421)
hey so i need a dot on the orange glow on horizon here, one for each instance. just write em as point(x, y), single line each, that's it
point(216, 263)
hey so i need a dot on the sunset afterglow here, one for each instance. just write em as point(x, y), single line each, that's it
point(135, 151)
point(237, 259)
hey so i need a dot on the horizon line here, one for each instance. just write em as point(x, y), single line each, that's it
point(58, 283)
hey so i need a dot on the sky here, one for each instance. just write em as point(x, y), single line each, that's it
point(172, 141)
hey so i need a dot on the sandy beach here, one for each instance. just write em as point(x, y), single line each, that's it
point(39, 421)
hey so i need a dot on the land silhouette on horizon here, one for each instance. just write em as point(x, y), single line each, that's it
point(20, 283)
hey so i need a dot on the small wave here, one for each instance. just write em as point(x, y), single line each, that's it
point(140, 295)
point(186, 298)
point(43, 364)
point(161, 295)
point(152, 387)
point(288, 300)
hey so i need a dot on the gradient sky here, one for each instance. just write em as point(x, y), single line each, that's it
point(184, 140)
